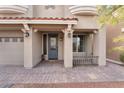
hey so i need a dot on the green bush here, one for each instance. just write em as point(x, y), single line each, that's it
point(122, 57)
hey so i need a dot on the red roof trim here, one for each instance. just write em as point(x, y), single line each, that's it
point(34, 18)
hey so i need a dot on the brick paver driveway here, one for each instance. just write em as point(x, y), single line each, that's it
point(55, 73)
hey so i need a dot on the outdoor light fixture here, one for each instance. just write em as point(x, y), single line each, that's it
point(26, 34)
point(35, 30)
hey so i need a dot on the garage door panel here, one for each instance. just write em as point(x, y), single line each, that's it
point(12, 52)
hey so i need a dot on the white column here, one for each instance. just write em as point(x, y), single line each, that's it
point(28, 62)
point(68, 49)
point(100, 46)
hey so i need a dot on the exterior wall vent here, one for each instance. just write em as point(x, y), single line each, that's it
point(50, 6)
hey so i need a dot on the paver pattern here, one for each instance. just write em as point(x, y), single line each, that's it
point(54, 72)
point(72, 85)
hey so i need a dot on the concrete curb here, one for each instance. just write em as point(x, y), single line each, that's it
point(114, 61)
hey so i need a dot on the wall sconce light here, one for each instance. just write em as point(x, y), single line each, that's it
point(35, 30)
point(26, 34)
point(69, 34)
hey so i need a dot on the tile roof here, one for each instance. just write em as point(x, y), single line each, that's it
point(35, 18)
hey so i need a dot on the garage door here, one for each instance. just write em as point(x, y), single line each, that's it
point(11, 50)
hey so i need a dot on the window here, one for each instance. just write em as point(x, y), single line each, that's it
point(53, 42)
point(0, 39)
point(6, 39)
point(11, 39)
point(21, 39)
point(14, 39)
point(79, 43)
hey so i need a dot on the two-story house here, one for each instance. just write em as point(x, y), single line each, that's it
point(32, 33)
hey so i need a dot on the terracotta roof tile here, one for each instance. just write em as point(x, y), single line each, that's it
point(35, 18)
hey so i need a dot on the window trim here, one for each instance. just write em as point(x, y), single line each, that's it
point(11, 39)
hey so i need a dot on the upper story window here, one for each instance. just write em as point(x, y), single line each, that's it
point(49, 7)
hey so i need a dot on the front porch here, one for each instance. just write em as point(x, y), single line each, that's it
point(83, 52)
point(57, 39)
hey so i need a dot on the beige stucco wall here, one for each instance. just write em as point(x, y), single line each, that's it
point(86, 22)
point(11, 33)
point(37, 47)
point(113, 31)
point(58, 11)
point(67, 12)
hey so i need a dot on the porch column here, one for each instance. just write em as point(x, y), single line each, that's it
point(100, 46)
point(68, 49)
point(28, 62)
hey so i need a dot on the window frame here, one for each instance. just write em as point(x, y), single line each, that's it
point(84, 43)
point(11, 39)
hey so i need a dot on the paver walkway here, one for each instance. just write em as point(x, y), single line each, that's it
point(56, 73)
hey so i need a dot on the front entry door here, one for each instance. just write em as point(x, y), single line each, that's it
point(53, 46)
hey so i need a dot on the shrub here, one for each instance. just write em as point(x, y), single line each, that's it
point(122, 57)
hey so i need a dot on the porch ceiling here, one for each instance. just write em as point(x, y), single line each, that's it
point(86, 30)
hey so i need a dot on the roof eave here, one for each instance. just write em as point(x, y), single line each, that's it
point(38, 21)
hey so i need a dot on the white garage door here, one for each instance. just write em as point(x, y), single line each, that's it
point(11, 50)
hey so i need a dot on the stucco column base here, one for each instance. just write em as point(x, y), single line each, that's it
point(68, 51)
